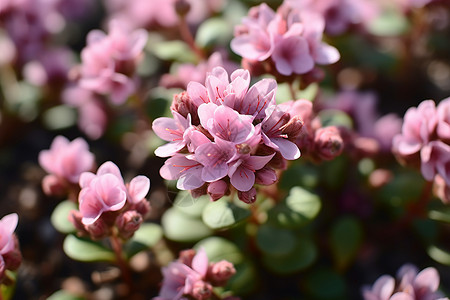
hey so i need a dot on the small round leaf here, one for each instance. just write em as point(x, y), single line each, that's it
point(144, 238)
point(82, 249)
point(223, 214)
point(275, 241)
point(60, 216)
point(180, 227)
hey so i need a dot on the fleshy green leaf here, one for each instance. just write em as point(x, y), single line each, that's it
point(183, 228)
point(389, 23)
point(441, 215)
point(59, 117)
point(244, 281)
point(334, 117)
point(83, 249)
point(223, 214)
point(345, 239)
point(302, 256)
point(64, 295)
point(299, 208)
point(214, 31)
point(60, 216)
point(440, 255)
point(275, 241)
point(189, 205)
point(218, 248)
point(146, 237)
point(173, 50)
point(7, 291)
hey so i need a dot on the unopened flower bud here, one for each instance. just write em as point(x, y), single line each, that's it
point(128, 223)
point(217, 189)
point(328, 142)
point(13, 258)
point(293, 128)
point(186, 257)
point(53, 185)
point(183, 104)
point(98, 229)
point(220, 272)
point(143, 207)
point(201, 290)
point(75, 217)
point(266, 176)
point(248, 197)
point(195, 193)
point(182, 7)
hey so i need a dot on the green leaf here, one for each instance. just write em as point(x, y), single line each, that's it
point(389, 23)
point(189, 205)
point(441, 215)
point(156, 107)
point(144, 238)
point(83, 249)
point(223, 214)
point(334, 117)
point(299, 208)
point(214, 31)
point(64, 295)
point(275, 241)
point(405, 187)
point(218, 248)
point(183, 228)
point(301, 257)
point(59, 117)
point(244, 281)
point(325, 284)
point(7, 291)
point(345, 240)
point(60, 216)
point(303, 175)
point(438, 254)
point(173, 51)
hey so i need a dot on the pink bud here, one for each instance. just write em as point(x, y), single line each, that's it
point(266, 176)
point(328, 142)
point(75, 217)
point(98, 230)
point(143, 207)
point(217, 189)
point(186, 257)
point(128, 222)
point(293, 128)
point(53, 185)
point(220, 272)
point(248, 197)
point(182, 7)
point(13, 259)
point(183, 105)
point(201, 290)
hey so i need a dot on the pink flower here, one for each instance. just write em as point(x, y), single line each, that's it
point(180, 279)
point(67, 160)
point(443, 125)
point(410, 285)
point(188, 172)
point(242, 172)
point(328, 142)
point(106, 191)
point(291, 38)
point(10, 257)
point(171, 130)
point(109, 61)
point(435, 158)
point(418, 126)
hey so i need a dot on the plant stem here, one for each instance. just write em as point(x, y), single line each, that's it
point(125, 270)
point(292, 91)
point(186, 35)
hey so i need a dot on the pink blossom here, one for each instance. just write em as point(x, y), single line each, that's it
point(291, 38)
point(106, 191)
point(171, 130)
point(109, 61)
point(215, 157)
point(67, 160)
point(328, 142)
point(410, 285)
point(7, 226)
point(443, 125)
point(418, 126)
point(242, 172)
point(435, 158)
point(188, 172)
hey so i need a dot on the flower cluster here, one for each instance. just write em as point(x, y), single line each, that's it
point(410, 285)
point(192, 275)
point(425, 141)
point(109, 61)
point(10, 256)
point(290, 38)
point(65, 161)
point(226, 132)
point(105, 201)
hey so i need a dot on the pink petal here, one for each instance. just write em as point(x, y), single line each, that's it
point(169, 149)
point(198, 93)
point(86, 179)
point(200, 262)
point(260, 96)
point(167, 129)
point(9, 223)
point(288, 149)
point(138, 188)
point(110, 190)
point(109, 167)
point(258, 162)
point(384, 287)
point(326, 54)
point(427, 281)
point(90, 206)
point(243, 179)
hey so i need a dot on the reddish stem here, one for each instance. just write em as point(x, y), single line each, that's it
point(125, 271)
point(188, 38)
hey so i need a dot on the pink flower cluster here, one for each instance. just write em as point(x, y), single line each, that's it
point(339, 15)
point(226, 134)
point(65, 161)
point(109, 61)
point(10, 256)
point(193, 276)
point(290, 38)
point(106, 201)
point(425, 140)
point(410, 285)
